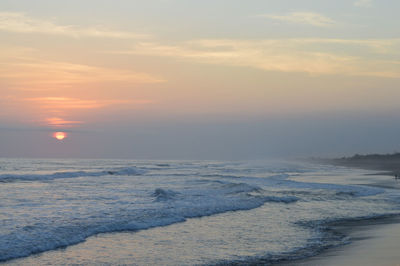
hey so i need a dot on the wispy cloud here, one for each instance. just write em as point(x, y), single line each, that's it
point(49, 88)
point(307, 18)
point(58, 122)
point(21, 23)
point(363, 3)
point(55, 109)
point(64, 103)
point(53, 103)
point(313, 56)
point(21, 68)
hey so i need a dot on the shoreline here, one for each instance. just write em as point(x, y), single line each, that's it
point(386, 164)
point(372, 241)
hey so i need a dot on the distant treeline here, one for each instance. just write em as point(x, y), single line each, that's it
point(358, 157)
point(384, 162)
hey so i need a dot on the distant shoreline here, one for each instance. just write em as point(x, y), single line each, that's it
point(389, 164)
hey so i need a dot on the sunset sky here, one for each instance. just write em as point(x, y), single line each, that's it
point(188, 79)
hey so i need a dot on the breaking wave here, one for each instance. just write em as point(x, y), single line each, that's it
point(130, 171)
point(162, 195)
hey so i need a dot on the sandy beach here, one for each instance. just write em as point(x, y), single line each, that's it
point(372, 241)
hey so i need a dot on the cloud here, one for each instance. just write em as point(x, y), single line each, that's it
point(307, 18)
point(54, 109)
point(60, 122)
point(54, 103)
point(363, 3)
point(65, 103)
point(21, 23)
point(313, 56)
point(47, 87)
point(21, 67)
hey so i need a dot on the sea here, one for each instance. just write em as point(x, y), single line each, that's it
point(134, 212)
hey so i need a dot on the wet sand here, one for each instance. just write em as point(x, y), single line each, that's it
point(373, 242)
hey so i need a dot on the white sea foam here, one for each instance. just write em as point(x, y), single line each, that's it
point(171, 207)
point(71, 174)
point(47, 235)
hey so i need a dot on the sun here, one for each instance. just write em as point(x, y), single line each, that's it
point(59, 135)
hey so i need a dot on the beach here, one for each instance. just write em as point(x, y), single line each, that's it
point(372, 241)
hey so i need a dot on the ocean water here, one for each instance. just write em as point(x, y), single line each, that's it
point(178, 212)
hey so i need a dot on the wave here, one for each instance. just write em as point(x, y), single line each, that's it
point(130, 171)
point(327, 237)
point(233, 188)
point(164, 194)
point(283, 181)
point(168, 207)
point(285, 199)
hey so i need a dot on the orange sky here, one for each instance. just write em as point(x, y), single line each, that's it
point(63, 67)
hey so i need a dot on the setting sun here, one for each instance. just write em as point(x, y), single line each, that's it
point(59, 135)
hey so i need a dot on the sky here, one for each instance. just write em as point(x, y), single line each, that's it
point(188, 79)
